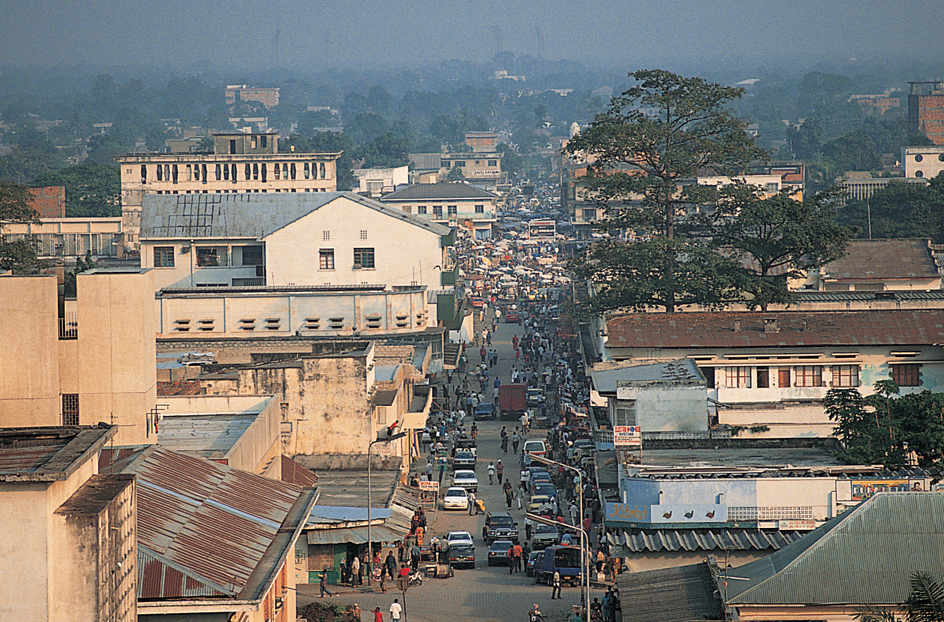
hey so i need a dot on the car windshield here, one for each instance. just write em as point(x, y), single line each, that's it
point(459, 535)
point(465, 475)
point(464, 454)
point(502, 521)
point(534, 446)
point(500, 545)
point(545, 529)
point(455, 492)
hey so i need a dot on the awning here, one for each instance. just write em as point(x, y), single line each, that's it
point(393, 529)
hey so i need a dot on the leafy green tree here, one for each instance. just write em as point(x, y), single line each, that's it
point(925, 603)
point(329, 142)
point(455, 174)
point(511, 162)
point(17, 255)
point(81, 265)
point(92, 190)
point(805, 140)
point(661, 131)
point(782, 238)
point(898, 210)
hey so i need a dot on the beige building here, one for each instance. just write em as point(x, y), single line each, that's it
point(69, 534)
point(79, 362)
point(922, 162)
point(238, 93)
point(456, 204)
point(70, 237)
point(374, 182)
point(899, 264)
point(240, 163)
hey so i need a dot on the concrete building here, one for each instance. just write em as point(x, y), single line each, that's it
point(70, 237)
point(214, 542)
point(240, 163)
point(881, 265)
point(771, 371)
point(926, 110)
point(79, 362)
point(457, 204)
point(242, 93)
point(375, 182)
point(923, 162)
point(478, 168)
point(860, 187)
point(69, 533)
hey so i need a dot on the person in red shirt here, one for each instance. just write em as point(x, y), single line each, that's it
point(378, 615)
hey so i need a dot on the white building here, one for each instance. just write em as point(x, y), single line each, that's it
point(922, 162)
point(457, 204)
point(374, 182)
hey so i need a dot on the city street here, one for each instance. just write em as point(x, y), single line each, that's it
point(485, 593)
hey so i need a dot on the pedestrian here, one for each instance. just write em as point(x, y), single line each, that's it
point(391, 564)
point(415, 554)
point(378, 616)
point(355, 613)
point(471, 503)
point(323, 584)
point(395, 610)
point(491, 473)
point(515, 441)
point(442, 469)
point(556, 586)
point(518, 552)
point(356, 571)
point(500, 470)
point(511, 560)
point(518, 493)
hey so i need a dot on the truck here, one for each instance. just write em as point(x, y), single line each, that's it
point(563, 559)
point(512, 401)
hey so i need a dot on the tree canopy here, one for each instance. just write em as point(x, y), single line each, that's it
point(16, 255)
point(92, 190)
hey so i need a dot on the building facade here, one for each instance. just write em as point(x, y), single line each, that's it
point(457, 204)
point(923, 162)
point(926, 110)
point(240, 93)
point(240, 163)
point(70, 237)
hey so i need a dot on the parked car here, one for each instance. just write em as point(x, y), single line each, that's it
point(536, 502)
point(458, 537)
point(543, 489)
point(499, 526)
point(581, 447)
point(532, 558)
point(486, 410)
point(498, 552)
point(544, 535)
point(455, 498)
point(477, 302)
point(464, 459)
point(535, 397)
point(462, 555)
point(535, 447)
point(466, 479)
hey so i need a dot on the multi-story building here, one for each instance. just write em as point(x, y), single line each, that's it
point(923, 162)
point(238, 93)
point(374, 182)
point(240, 163)
point(456, 204)
point(926, 110)
point(858, 186)
point(478, 168)
point(70, 237)
point(82, 361)
point(49, 201)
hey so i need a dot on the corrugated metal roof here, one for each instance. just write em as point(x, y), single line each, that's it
point(811, 296)
point(44, 454)
point(395, 527)
point(608, 376)
point(450, 190)
point(212, 523)
point(879, 260)
point(791, 329)
point(246, 215)
point(865, 556)
point(678, 594)
point(656, 540)
point(294, 473)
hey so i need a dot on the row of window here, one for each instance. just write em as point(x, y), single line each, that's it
point(363, 259)
point(246, 191)
point(451, 210)
point(841, 376)
point(224, 171)
point(211, 256)
point(461, 163)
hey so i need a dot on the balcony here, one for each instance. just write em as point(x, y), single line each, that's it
point(69, 326)
point(448, 278)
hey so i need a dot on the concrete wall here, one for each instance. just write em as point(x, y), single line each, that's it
point(665, 408)
point(29, 369)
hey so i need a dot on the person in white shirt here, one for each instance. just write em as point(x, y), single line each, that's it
point(395, 610)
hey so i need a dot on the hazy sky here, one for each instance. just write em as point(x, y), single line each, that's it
point(372, 33)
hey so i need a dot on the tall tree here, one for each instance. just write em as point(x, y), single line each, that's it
point(92, 190)
point(665, 129)
point(17, 255)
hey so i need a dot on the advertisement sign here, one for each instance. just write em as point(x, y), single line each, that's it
point(429, 486)
point(863, 489)
point(637, 515)
point(796, 525)
point(627, 436)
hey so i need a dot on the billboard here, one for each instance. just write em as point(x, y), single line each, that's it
point(627, 436)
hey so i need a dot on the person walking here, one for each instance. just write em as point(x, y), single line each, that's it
point(491, 473)
point(356, 571)
point(395, 610)
point(323, 584)
point(378, 616)
point(500, 470)
point(471, 504)
point(556, 586)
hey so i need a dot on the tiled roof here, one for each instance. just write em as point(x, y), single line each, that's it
point(865, 556)
point(457, 190)
point(680, 594)
point(876, 260)
point(205, 529)
point(246, 215)
point(776, 329)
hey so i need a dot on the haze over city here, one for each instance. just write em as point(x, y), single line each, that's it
point(372, 34)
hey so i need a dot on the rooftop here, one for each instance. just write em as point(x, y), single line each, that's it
point(208, 435)
point(456, 190)
point(48, 454)
point(878, 260)
point(95, 495)
point(608, 376)
point(877, 327)
point(671, 595)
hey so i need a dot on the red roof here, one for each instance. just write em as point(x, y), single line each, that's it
point(871, 260)
point(786, 329)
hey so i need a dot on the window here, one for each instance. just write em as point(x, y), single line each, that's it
point(771, 187)
point(326, 259)
point(845, 375)
point(209, 257)
point(589, 214)
point(493, 162)
point(451, 210)
point(918, 157)
point(737, 377)
point(763, 377)
point(437, 211)
point(420, 209)
point(70, 409)
point(321, 168)
point(479, 209)
point(252, 255)
point(906, 375)
point(364, 257)
point(363, 234)
point(459, 163)
point(325, 235)
point(919, 173)
point(809, 376)
point(163, 256)
point(625, 412)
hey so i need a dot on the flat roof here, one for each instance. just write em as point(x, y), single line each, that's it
point(208, 435)
point(49, 454)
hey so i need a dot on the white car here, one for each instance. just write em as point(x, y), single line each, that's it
point(466, 479)
point(535, 447)
point(459, 537)
point(456, 498)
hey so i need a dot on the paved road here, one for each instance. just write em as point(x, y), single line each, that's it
point(483, 594)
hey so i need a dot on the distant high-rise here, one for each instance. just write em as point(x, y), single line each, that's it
point(926, 110)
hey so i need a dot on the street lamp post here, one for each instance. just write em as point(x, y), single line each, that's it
point(370, 548)
point(584, 550)
point(541, 459)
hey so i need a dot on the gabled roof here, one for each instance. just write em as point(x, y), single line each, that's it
point(443, 191)
point(247, 215)
point(678, 594)
point(777, 329)
point(206, 529)
point(881, 260)
point(865, 556)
